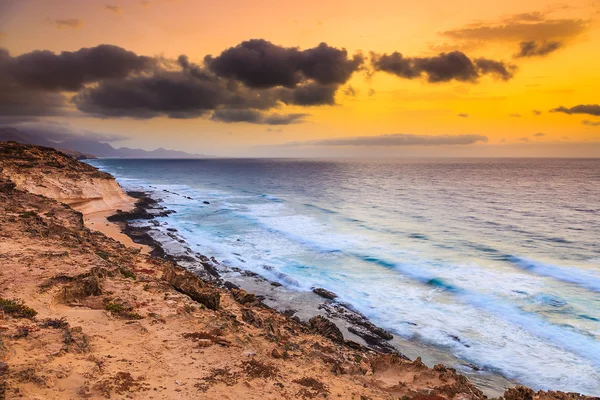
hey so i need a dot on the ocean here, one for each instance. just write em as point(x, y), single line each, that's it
point(495, 262)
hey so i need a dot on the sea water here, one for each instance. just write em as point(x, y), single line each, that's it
point(496, 262)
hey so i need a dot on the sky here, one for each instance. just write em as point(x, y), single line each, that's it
point(316, 78)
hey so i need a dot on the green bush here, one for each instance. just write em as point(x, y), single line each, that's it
point(17, 308)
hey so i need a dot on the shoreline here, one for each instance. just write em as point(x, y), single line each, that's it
point(300, 305)
point(91, 317)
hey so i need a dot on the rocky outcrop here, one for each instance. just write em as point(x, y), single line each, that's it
point(54, 174)
point(189, 284)
point(326, 294)
point(325, 327)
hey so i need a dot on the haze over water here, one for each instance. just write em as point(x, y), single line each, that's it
point(495, 261)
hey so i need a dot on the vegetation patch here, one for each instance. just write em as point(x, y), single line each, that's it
point(17, 308)
point(103, 254)
point(121, 383)
point(255, 369)
point(127, 273)
point(217, 375)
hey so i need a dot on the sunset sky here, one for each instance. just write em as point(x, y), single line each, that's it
point(426, 78)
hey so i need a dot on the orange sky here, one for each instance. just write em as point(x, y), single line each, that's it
point(380, 103)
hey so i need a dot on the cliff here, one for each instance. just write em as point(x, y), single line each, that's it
point(84, 316)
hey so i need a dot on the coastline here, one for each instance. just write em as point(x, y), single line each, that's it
point(91, 317)
point(140, 226)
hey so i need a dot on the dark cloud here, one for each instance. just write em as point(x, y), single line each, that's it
point(172, 94)
point(311, 94)
point(70, 71)
point(538, 29)
point(441, 68)
point(539, 134)
point(190, 93)
point(498, 68)
point(261, 64)
point(400, 139)
point(591, 109)
point(537, 112)
point(515, 115)
point(19, 102)
point(463, 115)
point(591, 123)
point(256, 117)
point(74, 23)
point(531, 48)
point(113, 8)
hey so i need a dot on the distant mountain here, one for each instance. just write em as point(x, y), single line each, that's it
point(92, 147)
point(15, 135)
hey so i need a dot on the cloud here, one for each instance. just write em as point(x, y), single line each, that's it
point(310, 94)
point(71, 70)
point(515, 115)
point(261, 64)
point(591, 123)
point(256, 117)
point(20, 102)
point(112, 8)
point(591, 109)
point(74, 23)
point(524, 139)
point(399, 139)
point(463, 115)
point(539, 134)
point(531, 48)
point(537, 112)
point(441, 68)
point(516, 28)
point(350, 91)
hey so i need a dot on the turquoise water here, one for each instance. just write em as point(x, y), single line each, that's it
point(503, 255)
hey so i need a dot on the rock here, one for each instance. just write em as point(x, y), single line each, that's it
point(204, 343)
point(325, 293)
point(519, 393)
point(3, 368)
point(249, 317)
point(325, 327)
point(206, 202)
point(243, 297)
point(276, 353)
point(172, 229)
point(84, 286)
point(189, 284)
point(230, 285)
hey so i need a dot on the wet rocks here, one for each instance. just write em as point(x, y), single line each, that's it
point(326, 294)
point(325, 327)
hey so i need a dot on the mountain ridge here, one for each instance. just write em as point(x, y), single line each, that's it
point(82, 148)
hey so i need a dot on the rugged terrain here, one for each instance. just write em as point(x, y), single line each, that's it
point(84, 316)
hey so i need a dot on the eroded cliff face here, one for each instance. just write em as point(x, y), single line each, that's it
point(50, 173)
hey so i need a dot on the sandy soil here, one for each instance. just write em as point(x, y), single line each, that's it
point(97, 221)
